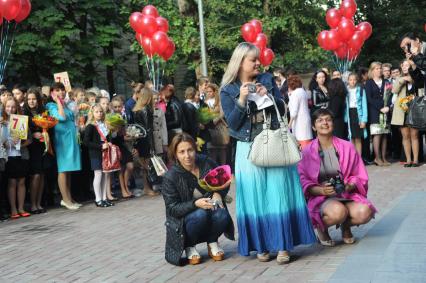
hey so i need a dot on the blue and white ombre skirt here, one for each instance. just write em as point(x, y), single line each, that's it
point(271, 209)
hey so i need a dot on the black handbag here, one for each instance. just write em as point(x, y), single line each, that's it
point(416, 116)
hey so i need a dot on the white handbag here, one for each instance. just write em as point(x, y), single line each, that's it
point(275, 148)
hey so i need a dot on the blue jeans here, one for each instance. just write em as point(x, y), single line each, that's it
point(205, 225)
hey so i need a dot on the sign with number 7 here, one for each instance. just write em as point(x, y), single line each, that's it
point(18, 126)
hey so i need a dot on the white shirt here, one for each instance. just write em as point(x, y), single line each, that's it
point(352, 97)
point(299, 111)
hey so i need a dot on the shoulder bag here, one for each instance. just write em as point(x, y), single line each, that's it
point(275, 148)
point(111, 156)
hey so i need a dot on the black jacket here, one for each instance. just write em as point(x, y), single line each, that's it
point(175, 118)
point(178, 189)
point(375, 100)
point(337, 105)
point(93, 141)
point(319, 98)
point(145, 118)
point(190, 113)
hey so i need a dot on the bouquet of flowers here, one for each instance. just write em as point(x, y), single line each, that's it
point(45, 122)
point(134, 132)
point(404, 102)
point(217, 179)
point(83, 110)
point(114, 121)
point(205, 115)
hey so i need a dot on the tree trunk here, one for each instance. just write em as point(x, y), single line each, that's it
point(109, 53)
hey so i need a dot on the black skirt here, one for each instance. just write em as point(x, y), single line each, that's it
point(16, 167)
point(356, 131)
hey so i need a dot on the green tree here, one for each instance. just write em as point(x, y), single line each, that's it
point(67, 35)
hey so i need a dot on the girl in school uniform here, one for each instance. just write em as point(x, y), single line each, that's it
point(97, 138)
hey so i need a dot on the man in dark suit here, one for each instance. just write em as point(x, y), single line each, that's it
point(281, 80)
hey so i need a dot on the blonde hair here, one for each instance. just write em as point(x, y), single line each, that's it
point(215, 89)
point(190, 93)
point(373, 65)
point(144, 98)
point(239, 54)
point(90, 116)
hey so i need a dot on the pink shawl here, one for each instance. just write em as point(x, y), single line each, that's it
point(351, 166)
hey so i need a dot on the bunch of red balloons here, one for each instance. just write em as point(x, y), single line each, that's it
point(151, 32)
point(17, 10)
point(252, 32)
point(344, 38)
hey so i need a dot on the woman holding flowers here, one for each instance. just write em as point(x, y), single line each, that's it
point(193, 215)
point(143, 115)
point(40, 159)
point(271, 209)
point(406, 90)
point(66, 144)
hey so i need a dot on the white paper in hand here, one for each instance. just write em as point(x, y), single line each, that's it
point(262, 102)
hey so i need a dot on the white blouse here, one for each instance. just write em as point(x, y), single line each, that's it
point(299, 111)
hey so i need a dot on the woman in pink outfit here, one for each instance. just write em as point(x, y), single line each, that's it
point(334, 181)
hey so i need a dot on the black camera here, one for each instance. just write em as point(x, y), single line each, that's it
point(408, 46)
point(251, 88)
point(338, 184)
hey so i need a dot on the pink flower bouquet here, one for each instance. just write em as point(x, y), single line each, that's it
point(217, 179)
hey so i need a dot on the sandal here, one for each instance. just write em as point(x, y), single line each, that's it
point(263, 257)
point(192, 255)
point(347, 240)
point(24, 214)
point(215, 252)
point(283, 257)
point(15, 216)
point(325, 243)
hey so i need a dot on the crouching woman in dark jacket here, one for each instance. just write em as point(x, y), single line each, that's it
point(193, 215)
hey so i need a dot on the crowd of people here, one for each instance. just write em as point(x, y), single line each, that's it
point(336, 120)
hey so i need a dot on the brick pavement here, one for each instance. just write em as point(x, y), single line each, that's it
point(126, 243)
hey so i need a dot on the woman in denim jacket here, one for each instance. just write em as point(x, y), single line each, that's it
point(356, 114)
point(271, 209)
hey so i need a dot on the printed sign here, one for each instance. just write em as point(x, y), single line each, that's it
point(63, 78)
point(18, 126)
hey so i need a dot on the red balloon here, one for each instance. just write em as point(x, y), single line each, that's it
point(257, 26)
point(356, 41)
point(346, 29)
point(148, 26)
point(160, 41)
point(322, 39)
point(169, 51)
point(266, 57)
point(341, 52)
point(365, 29)
point(333, 17)
point(10, 8)
point(25, 11)
point(162, 24)
point(147, 46)
point(150, 10)
point(353, 53)
point(261, 41)
point(135, 21)
point(333, 40)
point(139, 37)
point(348, 8)
point(248, 32)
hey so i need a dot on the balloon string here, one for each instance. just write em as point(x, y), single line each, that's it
point(3, 49)
point(10, 47)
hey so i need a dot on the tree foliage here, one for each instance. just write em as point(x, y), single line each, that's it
point(79, 36)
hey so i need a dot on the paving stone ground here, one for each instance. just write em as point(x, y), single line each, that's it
point(125, 243)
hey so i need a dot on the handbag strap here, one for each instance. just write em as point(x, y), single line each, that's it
point(103, 138)
point(281, 119)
